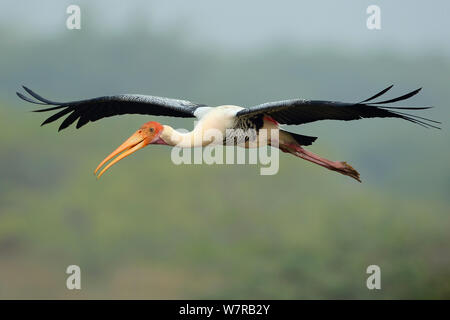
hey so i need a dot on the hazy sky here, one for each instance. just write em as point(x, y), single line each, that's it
point(407, 25)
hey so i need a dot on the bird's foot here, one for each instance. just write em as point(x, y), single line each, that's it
point(346, 169)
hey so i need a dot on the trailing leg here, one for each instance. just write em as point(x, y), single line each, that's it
point(338, 166)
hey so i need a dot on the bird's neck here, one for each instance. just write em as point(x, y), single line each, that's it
point(180, 139)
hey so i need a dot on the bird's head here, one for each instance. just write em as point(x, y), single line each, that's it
point(148, 133)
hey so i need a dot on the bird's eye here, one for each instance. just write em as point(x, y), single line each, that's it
point(152, 129)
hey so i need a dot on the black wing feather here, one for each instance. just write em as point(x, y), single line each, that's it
point(21, 96)
point(57, 115)
point(292, 112)
point(98, 108)
point(69, 120)
point(404, 97)
point(38, 97)
point(378, 94)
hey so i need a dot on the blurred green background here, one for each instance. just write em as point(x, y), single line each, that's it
point(150, 229)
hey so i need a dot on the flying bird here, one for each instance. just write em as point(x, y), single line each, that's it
point(268, 116)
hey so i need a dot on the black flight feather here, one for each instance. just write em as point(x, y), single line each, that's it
point(90, 110)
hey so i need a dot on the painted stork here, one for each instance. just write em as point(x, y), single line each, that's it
point(264, 116)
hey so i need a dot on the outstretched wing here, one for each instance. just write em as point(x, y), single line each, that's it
point(304, 111)
point(98, 108)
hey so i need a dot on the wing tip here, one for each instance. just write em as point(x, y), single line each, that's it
point(25, 98)
point(400, 98)
point(378, 94)
point(21, 96)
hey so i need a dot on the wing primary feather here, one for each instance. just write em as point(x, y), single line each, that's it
point(21, 96)
point(404, 97)
point(378, 94)
point(56, 116)
point(38, 97)
point(418, 117)
point(82, 121)
point(409, 118)
point(405, 117)
point(69, 120)
point(406, 108)
point(415, 116)
point(49, 109)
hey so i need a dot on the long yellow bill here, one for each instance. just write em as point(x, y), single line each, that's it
point(131, 145)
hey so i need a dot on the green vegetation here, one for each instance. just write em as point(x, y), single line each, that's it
point(150, 229)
